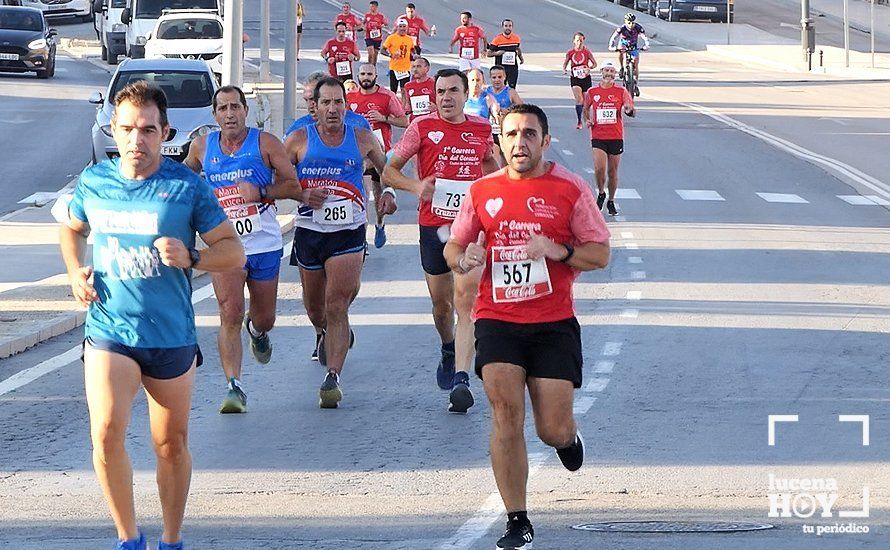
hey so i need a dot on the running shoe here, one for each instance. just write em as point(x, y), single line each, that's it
point(379, 236)
point(461, 398)
point(320, 354)
point(572, 457)
point(314, 356)
point(578, 126)
point(170, 546)
point(235, 401)
point(330, 394)
point(517, 536)
point(600, 200)
point(132, 544)
point(445, 370)
point(260, 346)
point(610, 206)
point(621, 74)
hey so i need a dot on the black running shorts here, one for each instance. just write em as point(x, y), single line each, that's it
point(610, 146)
point(544, 350)
point(432, 251)
point(584, 83)
point(312, 249)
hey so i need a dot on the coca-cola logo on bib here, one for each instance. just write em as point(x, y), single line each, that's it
point(436, 136)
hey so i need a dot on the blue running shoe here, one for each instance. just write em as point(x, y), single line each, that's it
point(445, 370)
point(170, 546)
point(132, 544)
point(461, 398)
point(379, 236)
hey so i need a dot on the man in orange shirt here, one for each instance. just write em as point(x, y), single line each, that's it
point(399, 48)
point(507, 53)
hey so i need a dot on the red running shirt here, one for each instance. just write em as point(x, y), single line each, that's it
point(421, 96)
point(340, 52)
point(578, 66)
point(415, 25)
point(453, 153)
point(373, 25)
point(468, 41)
point(352, 23)
point(383, 101)
point(605, 109)
point(558, 205)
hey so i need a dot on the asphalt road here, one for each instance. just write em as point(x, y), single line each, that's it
point(741, 285)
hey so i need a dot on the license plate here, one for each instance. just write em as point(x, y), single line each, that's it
point(171, 150)
point(709, 9)
point(9, 56)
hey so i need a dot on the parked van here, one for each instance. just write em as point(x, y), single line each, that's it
point(110, 31)
point(141, 16)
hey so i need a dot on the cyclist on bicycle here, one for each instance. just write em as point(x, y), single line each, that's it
point(625, 40)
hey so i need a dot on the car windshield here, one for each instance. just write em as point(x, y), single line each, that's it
point(189, 29)
point(118, 3)
point(151, 9)
point(183, 89)
point(20, 20)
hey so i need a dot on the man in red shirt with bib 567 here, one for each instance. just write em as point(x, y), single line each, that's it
point(533, 226)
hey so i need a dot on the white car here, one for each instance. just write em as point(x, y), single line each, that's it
point(56, 8)
point(188, 34)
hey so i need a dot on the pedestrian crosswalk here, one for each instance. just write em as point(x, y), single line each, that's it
point(627, 193)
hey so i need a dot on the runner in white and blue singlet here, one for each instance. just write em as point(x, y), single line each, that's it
point(351, 118)
point(503, 97)
point(232, 157)
point(143, 211)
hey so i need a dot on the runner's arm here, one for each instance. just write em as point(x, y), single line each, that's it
point(371, 150)
point(613, 40)
point(196, 154)
point(645, 40)
point(393, 177)
point(585, 109)
point(284, 181)
point(490, 162)
point(514, 97)
point(519, 55)
point(465, 232)
point(224, 250)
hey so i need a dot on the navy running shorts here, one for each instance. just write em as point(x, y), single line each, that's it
point(312, 248)
point(432, 251)
point(160, 363)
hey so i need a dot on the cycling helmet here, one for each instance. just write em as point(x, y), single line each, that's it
point(630, 18)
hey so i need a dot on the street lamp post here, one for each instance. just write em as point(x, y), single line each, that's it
point(807, 31)
point(290, 64)
point(264, 40)
point(233, 28)
point(846, 34)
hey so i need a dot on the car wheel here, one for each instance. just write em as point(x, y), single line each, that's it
point(104, 53)
point(48, 71)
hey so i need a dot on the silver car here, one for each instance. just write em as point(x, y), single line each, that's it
point(189, 85)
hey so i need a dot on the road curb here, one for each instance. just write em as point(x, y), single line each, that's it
point(69, 321)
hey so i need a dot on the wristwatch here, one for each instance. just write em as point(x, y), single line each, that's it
point(263, 193)
point(570, 251)
point(195, 256)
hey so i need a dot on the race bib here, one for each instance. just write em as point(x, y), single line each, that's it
point(420, 105)
point(350, 34)
point(401, 75)
point(509, 58)
point(374, 33)
point(495, 128)
point(414, 41)
point(343, 68)
point(245, 218)
point(607, 116)
point(334, 213)
point(448, 197)
point(580, 71)
point(378, 133)
point(468, 53)
point(517, 278)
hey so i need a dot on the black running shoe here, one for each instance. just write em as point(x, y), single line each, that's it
point(518, 536)
point(461, 398)
point(600, 199)
point(572, 457)
point(610, 206)
point(317, 344)
point(322, 357)
point(445, 371)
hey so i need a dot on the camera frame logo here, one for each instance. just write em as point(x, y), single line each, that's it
point(806, 498)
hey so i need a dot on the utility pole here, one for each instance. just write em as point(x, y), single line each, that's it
point(265, 25)
point(233, 28)
point(807, 31)
point(846, 34)
point(290, 65)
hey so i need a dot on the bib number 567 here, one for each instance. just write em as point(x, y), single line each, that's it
point(517, 273)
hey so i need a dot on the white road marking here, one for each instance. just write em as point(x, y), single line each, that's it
point(603, 367)
point(699, 195)
point(596, 384)
point(632, 246)
point(634, 295)
point(568, 153)
point(627, 194)
point(867, 200)
point(630, 314)
point(611, 349)
point(627, 235)
point(634, 260)
point(27, 376)
point(554, 139)
point(589, 170)
point(583, 404)
point(789, 198)
point(637, 275)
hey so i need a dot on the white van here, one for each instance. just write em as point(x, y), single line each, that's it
point(110, 31)
point(141, 16)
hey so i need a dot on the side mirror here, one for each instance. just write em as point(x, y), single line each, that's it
point(126, 16)
point(96, 98)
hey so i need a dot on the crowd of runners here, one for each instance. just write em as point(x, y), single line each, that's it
point(503, 235)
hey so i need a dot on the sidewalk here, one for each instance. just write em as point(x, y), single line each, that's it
point(41, 306)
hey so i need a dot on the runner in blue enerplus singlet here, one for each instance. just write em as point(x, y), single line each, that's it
point(256, 224)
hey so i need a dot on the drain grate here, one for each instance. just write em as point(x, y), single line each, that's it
point(672, 526)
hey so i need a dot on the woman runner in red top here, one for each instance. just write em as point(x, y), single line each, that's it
point(534, 227)
point(578, 63)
